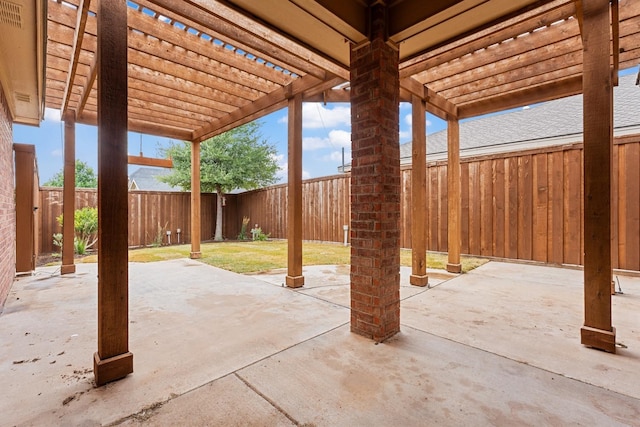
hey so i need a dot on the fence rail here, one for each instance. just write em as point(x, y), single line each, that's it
point(521, 205)
point(151, 214)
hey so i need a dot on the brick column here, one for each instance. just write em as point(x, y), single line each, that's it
point(375, 185)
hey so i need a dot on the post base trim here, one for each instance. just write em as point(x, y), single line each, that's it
point(68, 269)
point(294, 281)
point(195, 255)
point(113, 368)
point(421, 281)
point(598, 338)
point(454, 268)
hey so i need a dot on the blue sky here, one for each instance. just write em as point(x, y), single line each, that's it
point(325, 130)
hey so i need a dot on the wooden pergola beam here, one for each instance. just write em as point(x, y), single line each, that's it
point(149, 161)
point(78, 36)
point(545, 15)
point(543, 42)
point(143, 126)
point(258, 38)
point(436, 104)
point(200, 68)
point(543, 92)
point(258, 108)
point(519, 79)
point(88, 85)
point(192, 43)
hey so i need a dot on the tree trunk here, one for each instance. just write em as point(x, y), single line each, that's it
point(218, 235)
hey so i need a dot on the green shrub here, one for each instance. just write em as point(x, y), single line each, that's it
point(85, 229)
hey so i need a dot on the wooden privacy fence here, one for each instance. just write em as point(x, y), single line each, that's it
point(325, 208)
point(151, 214)
point(522, 205)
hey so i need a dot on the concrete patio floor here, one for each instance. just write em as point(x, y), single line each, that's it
point(497, 346)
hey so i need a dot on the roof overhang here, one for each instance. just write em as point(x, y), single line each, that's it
point(23, 26)
point(329, 26)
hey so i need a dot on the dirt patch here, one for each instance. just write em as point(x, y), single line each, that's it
point(48, 259)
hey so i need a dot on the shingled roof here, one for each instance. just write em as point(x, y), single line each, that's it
point(550, 123)
point(147, 179)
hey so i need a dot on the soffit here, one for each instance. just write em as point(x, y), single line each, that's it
point(21, 74)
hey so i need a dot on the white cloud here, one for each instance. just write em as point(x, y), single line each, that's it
point(335, 139)
point(317, 116)
point(51, 114)
point(404, 135)
point(56, 153)
point(283, 172)
point(408, 119)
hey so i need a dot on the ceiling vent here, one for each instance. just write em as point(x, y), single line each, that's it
point(10, 14)
point(23, 97)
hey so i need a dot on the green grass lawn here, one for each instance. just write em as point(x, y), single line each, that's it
point(252, 257)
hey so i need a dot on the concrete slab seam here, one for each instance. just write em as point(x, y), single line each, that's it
point(266, 399)
point(519, 362)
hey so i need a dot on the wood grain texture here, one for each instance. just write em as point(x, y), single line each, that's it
point(598, 135)
point(326, 207)
point(113, 277)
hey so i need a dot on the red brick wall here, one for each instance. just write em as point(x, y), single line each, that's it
point(7, 206)
point(375, 186)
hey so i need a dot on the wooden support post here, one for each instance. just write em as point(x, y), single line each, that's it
point(597, 331)
point(69, 193)
point(419, 217)
point(195, 201)
point(454, 234)
point(294, 278)
point(113, 359)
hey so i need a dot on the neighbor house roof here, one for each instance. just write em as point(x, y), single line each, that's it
point(148, 179)
point(551, 123)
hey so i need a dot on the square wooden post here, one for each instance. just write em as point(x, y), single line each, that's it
point(375, 183)
point(195, 201)
point(69, 194)
point(454, 235)
point(294, 278)
point(419, 216)
point(597, 86)
point(113, 360)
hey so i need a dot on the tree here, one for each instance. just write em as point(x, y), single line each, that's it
point(85, 177)
point(238, 158)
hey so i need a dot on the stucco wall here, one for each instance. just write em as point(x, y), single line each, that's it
point(7, 206)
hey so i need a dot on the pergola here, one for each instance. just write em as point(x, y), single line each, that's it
point(194, 69)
